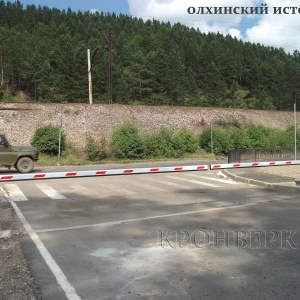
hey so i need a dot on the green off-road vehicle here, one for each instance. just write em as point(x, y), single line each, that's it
point(21, 157)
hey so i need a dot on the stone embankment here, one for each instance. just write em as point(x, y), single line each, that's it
point(20, 120)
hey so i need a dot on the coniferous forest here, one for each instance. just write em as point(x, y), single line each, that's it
point(43, 54)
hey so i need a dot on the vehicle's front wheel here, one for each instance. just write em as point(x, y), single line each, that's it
point(24, 165)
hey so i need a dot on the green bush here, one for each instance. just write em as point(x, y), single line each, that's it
point(95, 149)
point(259, 136)
point(239, 139)
point(221, 141)
point(169, 144)
point(290, 137)
point(255, 136)
point(160, 144)
point(185, 141)
point(127, 142)
point(46, 139)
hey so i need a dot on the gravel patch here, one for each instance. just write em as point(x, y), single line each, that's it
point(284, 171)
point(273, 174)
point(16, 281)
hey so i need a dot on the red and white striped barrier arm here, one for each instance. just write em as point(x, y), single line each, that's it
point(52, 175)
point(31, 176)
point(254, 164)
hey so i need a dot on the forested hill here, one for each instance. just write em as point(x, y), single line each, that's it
point(43, 53)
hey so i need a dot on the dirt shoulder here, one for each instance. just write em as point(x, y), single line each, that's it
point(16, 281)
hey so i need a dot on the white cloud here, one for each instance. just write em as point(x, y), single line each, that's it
point(93, 10)
point(278, 30)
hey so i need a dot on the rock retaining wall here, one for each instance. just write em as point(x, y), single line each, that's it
point(20, 120)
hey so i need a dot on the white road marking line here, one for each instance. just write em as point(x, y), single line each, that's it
point(214, 179)
point(2, 198)
point(113, 223)
point(220, 173)
point(193, 181)
point(15, 192)
point(56, 270)
point(150, 187)
point(180, 186)
point(173, 184)
point(5, 234)
point(116, 189)
point(177, 185)
point(49, 191)
point(78, 187)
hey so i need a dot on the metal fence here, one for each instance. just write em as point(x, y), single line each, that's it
point(259, 154)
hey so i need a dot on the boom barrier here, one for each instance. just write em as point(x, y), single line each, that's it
point(74, 174)
point(254, 164)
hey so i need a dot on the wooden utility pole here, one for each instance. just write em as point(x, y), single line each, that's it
point(90, 76)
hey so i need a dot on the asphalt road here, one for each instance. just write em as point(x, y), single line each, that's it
point(189, 235)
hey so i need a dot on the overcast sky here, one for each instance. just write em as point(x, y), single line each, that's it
point(278, 30)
